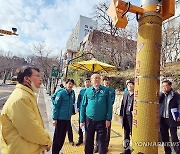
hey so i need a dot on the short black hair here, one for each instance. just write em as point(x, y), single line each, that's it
point(87, 79)
point(25, 71)
point(130, 81)
point(70, 80)
point(168, 82)
point(106, 78)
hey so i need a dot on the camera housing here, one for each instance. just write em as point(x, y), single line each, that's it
point(14, 30)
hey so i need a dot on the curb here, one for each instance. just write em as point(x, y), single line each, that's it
point(49, 112)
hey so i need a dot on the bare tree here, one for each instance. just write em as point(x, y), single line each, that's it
point(9, 64)
point(170, 44)
point(44, 60)
point(115, 44)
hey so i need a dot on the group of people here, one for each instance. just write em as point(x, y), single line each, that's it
point(94, 104)
point(22, 128)
point(169, 100)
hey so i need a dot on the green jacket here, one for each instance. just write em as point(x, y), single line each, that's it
point(113, 94)
point(63, 106)
point(80, 97)
point(54, 95)
point(96, 105)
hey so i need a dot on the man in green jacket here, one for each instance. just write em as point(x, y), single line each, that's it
point(87, 84)
point(106, 81)
point(96, 112)
point(62, 110)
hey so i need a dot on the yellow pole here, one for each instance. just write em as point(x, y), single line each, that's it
point(147, 72)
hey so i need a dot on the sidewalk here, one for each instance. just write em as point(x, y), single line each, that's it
point(116, 141)
point(116, 132)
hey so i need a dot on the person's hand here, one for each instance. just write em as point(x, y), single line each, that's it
point(48, 148)
point(178, 119)
point(54, 123)
point(108, 123)
point(82, 124)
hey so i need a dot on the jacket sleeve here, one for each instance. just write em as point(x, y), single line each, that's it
point(109, 107)
point(178, 103)
point(113, 96)
point(122, 107)
point(25, 121)
point(53, 98)
point(73, 110)
point(83, 108)
point(79, 100)
point(56, 106)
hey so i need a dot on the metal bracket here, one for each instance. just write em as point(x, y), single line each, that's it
point(124, 13)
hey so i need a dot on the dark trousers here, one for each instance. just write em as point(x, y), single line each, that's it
point(80, 132)
point(164, 129)
point(127, 124)
point(107, 137)
point(91, 128)
point(59, 135)
point(69, 131)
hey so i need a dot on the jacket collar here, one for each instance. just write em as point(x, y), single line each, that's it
point(170, 93)
point(67, 92)
point(100, 87)
point(20, 86)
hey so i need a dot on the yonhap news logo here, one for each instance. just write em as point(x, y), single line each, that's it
point(126, 144)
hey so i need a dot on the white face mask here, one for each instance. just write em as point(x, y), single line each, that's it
point(36, 90)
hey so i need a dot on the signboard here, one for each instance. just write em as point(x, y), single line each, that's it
point(54, 71)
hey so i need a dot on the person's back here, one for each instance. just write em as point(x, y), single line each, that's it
point(22, 129)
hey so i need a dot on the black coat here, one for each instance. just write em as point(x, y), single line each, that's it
point(173, 103)
point(124, 105)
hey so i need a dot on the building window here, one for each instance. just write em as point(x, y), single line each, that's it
point(86, 26)
point(91, 27)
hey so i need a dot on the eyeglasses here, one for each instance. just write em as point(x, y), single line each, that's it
point(36, 75)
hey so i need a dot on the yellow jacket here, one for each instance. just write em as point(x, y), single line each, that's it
point(22, 128)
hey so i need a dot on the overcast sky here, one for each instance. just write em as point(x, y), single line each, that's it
point(51, 21)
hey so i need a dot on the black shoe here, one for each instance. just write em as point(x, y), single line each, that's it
point(96, 150)
point(79, 143)
point(72, 143)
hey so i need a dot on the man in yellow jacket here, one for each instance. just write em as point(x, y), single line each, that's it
point(22, 128)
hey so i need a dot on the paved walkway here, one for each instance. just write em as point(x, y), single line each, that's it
point(116, 141)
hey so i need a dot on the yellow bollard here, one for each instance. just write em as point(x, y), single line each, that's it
point(145, 112)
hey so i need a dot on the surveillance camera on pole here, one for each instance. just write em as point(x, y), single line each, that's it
point(150, 16)
point(6, 32)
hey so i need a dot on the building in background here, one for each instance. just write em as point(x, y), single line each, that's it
point(115, 50)
point(82, 28)
point(174, 20)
